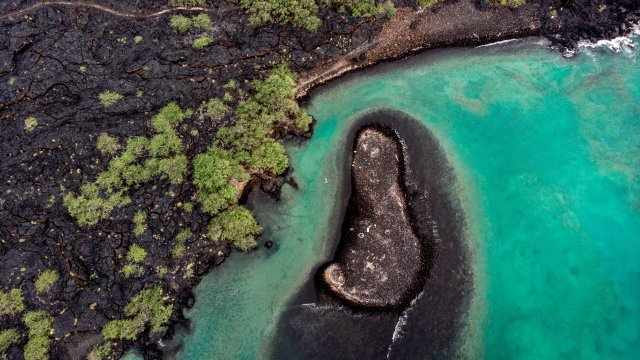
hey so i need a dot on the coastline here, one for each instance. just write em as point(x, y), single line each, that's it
point(365, 56)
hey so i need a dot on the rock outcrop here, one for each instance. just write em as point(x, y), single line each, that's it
point(380, 258)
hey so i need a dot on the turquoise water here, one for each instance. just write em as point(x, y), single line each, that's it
point(547, 153)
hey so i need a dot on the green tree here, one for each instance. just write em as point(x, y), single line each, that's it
point(300, 13)
point(148, 308)
point(237, 226)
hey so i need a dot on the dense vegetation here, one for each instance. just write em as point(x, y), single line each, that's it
point(304, 13)
point(219, 174)
point(147, 309)
point(164, 159)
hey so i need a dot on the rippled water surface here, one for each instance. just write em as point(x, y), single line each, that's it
point(547, 154)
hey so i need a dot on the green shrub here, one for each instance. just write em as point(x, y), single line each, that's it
point(188, 207)
point(129, 270)
point(11, 302)
point(30, 124)
point(136, 253)
point(140, 221)
point(214, 109)
point(183, 235)
point(269, 156)
point(7, 338)
point(201, 42)
point(303, 121)
point(388, 9)
point(146, 308)
point(357, 8)
point(89, 209)
point(107, 145)
point(188, 3)
point(180, 24)
point(509, 3)
point(45, 281)
point(428, 3)
point(300, 13)
point(108, 98)
point(213, 174)
point(201, 22)
point(165, 144)
point(236, 226)
point(127, 329)
point(39, 324)
point(181, 239)
point(100, 352)
point(168, 117)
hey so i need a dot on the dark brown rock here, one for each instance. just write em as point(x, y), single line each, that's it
point(381, 257)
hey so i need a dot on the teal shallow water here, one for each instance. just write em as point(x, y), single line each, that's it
point(547, 153)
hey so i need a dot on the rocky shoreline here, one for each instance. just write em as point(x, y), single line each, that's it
point(466, 23)
point(56, 58)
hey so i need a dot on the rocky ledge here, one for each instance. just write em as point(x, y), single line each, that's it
point(380, 258)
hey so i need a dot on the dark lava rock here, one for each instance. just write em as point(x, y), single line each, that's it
point(382, 257)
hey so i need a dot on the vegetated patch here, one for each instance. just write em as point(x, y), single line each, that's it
point(107, 145)
point(39, 323)
point(135, 255)
point(30, 124)
point(181, 239)
point(509, 3)
point(7, 338)
point(202, 42)
point(165, 160)
point(188, 3)
point(109, 98)
point(214, 109)
point(180, 24)
point(201, 22)
point(148, 309)
point(11, 302)
point(140, 221)
point(100, 351)
point(428, 3)
point(46, 280)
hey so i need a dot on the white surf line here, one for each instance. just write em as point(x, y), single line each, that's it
point(497, 43)
point(20, 12)
point(402, 321)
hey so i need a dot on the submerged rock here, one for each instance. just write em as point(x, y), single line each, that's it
point(380, 258)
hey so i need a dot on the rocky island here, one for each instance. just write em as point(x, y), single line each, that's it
point(380, 258)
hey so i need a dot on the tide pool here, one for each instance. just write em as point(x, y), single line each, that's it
point(547, 156)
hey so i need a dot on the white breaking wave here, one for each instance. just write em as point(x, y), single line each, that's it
point(402, 321)
point(498, 43)
point(620, 43)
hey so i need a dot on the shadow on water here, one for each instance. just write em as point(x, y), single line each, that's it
point(315, 325)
